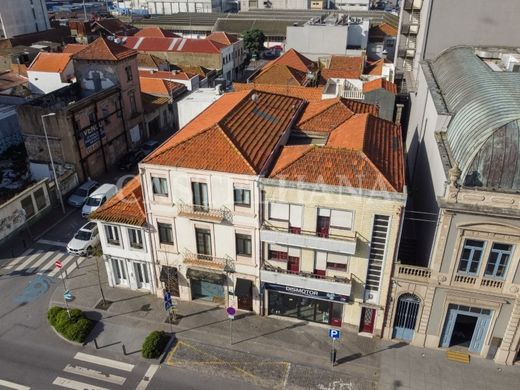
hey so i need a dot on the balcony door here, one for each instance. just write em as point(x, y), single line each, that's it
point(200, 196)
point(203, 239)
point(323, 223)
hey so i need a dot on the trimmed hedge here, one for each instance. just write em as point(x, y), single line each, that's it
point(154, 344)
point(76, 328)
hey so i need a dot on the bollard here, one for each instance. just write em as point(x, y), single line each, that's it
point(124, 349)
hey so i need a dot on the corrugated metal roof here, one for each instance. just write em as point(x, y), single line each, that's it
point(481, 101)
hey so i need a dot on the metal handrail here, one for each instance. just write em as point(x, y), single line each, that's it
point(225, 262)
point(269, 226)
point(336, 279)
point(204, 211)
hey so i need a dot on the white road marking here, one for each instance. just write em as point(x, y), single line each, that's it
point(12, 385)
point(147, 377)
point(70, 384)
point(54, 243)
point(78, 370)
point(286, 378)
point(104, 362)
point(28, 261)
point(21, 258)
point(76, 264)
point(64, 263)
point(41, 260)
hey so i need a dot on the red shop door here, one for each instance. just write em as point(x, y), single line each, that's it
point(368, 319)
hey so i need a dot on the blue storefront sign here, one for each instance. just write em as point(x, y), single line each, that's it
point(92, 135)
point(305, 292)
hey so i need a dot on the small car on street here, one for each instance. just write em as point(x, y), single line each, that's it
point(149, 146)
point(85, 240)
point(130, 160)
point(81, 193)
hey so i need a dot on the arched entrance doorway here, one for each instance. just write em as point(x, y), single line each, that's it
point(406, 316)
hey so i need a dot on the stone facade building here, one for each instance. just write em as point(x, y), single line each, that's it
point(96, 119)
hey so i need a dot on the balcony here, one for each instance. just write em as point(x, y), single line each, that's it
point(305, 280)
point(308, 240)
point(204, 213)
point(411, 272)
point(477, 282)
point(353, 94)
point(197, 260)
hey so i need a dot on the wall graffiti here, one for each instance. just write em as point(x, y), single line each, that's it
point(17, 217)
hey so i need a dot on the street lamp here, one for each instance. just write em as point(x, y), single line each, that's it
point(58, 191)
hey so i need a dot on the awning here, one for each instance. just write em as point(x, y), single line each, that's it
point(167, 273)
point(207, 276)
point(243, 288)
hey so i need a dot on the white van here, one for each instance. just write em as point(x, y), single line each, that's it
point(97, 198)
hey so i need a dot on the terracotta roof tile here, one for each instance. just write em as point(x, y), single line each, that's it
point(73, 48)
point(10, 79)
point(160, 87)
point(152, 103)
point(381, 31)
point(236, 134)
point(282, 75)
point(378, 84)
point(50, 62)
point(165, 75)
point(326, 115)
point(374, 68)
point(295, 60)
point(156, 32)
point(306, 93)
point(183, 45)
point(105, 50)
point(126, 207)
point(145, 60)
point(222, 37)
point(344, 67)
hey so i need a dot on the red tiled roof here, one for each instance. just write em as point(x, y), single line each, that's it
point(73, 48)
point(378, 84)
point(145, 60)
point(235, 134)
point(125, 207)
point(50, 62)
point(344, 67)
point(374, 68)
point(10, 79)
point(381, 31)
point(306, 93)
point(152, 103)
point(162, 74)
point(222, 37)
point(159, 86)
point(326, 115)
point(184, 45)
point(104, 50)
point(295, 60)
point(282, 75)
point(156, 32)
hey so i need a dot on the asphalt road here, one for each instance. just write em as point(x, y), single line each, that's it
point(33, 356)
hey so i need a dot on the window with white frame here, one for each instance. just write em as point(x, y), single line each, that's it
point(498, 260)
point(136, 238)
point(279, 211)
point(471, 256)
point(293, 213)
point(159, 186)
point(242, 197)
point(112, 233)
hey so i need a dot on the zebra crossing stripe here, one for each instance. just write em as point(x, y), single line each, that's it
point(28, 261)
point(40, 261)
point(19, 259)
point(147, 377)
point(75, 385)
point(104, 362)
point(64, 263)
point(87, 372)
point(12, 385)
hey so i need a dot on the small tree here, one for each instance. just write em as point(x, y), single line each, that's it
point(254, 41)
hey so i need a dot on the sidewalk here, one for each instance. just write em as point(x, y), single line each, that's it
point(24, 239)
point(386, 364)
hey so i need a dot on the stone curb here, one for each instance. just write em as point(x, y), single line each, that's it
point(64, 338)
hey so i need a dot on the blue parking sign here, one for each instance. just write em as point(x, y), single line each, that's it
point(334, 334)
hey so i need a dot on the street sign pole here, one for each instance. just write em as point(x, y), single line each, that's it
point(333, 353)
point(59, 265)
point(231, 315)
point(333, 334)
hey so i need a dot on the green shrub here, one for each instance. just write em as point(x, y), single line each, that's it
point(53, 313)
point(76, 328)
point(154, 344)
